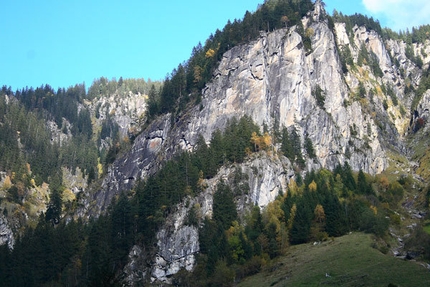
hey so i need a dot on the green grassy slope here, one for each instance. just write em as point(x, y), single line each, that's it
point(348, 261)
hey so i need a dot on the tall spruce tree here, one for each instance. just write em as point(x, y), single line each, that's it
point(224, 208)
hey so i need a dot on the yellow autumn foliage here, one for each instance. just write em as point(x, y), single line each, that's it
point(235, 229)
point(201, 182)
point(312, 186)
point(309, 32)
point(274, 214)
point(99, 167)
point(284, 19)
point(210, 53)
point(261, 142)
point(384, 183)
point(319, 214)
point(198, 73)
point(267, 140)
point(7, 183)
point(68, 195)
point(293, 187)
point(290, 221)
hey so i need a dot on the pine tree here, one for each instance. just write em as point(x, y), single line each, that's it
point(287, 145)
point(310, 148)
point(347, 177)
point(224, 208)
point(362, 186)
point(336, 221)
point(300, 229)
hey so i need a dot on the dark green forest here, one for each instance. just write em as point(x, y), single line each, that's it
point(59, 251)
point(24, 123)
point(322, 205)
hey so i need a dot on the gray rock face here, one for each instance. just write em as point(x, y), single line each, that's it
point(177, 249)
point(134, 273)
point(273, 80)
point(6, 234)
point(270, 79)
point(142, 160)
point(125, 109)
point(267, 176)
point(423, 107)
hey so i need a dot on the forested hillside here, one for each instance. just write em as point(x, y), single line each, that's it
point(54, 144)
point(287, 127)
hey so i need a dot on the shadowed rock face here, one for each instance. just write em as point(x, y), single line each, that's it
point(6, 234)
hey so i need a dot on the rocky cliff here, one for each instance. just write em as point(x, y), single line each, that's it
point(6, 234)
point(279, 81)
point(274, 81)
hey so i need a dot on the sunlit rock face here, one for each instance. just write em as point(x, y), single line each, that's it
point(272, 80)
point(275, 80)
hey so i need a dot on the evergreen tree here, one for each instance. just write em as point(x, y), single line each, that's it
point(347, 177)
point(287, 145)
point(153, 105)
point(53, 212)
point(336, 221)
point(362, 186)
point(121, 228)
point(309, 148)
point(300, 230)
point(224, 208)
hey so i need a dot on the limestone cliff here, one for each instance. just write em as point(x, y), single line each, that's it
point(273, 80)
point(279, 82)
point(126, 110)
point(349, 90)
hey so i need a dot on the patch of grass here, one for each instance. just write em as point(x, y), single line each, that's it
point(345, 261)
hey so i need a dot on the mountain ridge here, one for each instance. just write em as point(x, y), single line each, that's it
point(343, 93)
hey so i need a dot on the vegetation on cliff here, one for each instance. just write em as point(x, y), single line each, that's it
point(60, 250)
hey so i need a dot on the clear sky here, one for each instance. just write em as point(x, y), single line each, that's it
point(64, 42)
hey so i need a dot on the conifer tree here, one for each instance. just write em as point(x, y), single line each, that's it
point(299, 232)
point(362, 186)
point(224, 208)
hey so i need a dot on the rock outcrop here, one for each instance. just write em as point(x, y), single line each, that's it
point(126, 110)
point(273, 80)
point(6, 234)
point(178, 243)
point(279, 82)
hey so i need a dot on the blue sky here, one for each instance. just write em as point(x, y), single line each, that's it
point(64, 42)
